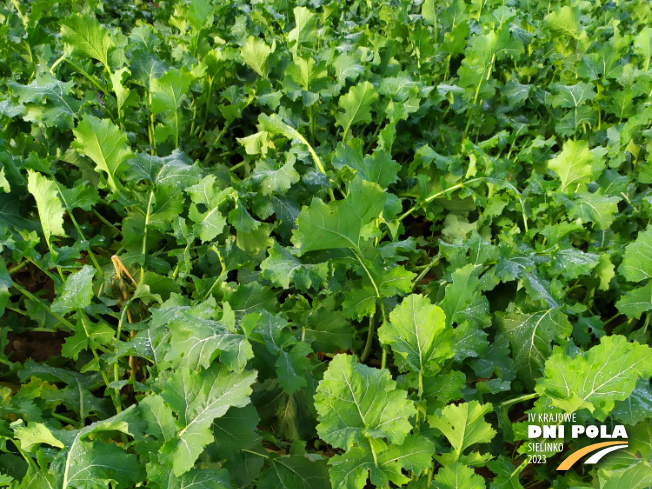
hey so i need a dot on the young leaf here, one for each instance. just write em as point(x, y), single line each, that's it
point(417, 332)
point(356, 105)
point(168, 92)
point(457, 476)
point(463, 425)
point(35, 434)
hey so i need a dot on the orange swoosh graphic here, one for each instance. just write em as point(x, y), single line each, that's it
point(575, 456)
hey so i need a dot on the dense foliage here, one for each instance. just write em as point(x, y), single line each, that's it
point(322, 244)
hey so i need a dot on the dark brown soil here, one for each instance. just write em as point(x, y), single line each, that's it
point(36, 345)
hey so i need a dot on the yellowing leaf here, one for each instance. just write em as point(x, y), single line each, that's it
point(572, 165)
point(255, 53)
point(49, 206)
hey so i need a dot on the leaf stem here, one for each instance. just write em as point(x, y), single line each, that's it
point(425, 271)
point(516, 400)
point(144, 246)
point(35, 299)
point(18, 267)
point(370, 337)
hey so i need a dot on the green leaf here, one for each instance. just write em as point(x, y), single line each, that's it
point(198, 342)
point(635, 302)
point(573, 164)
point(168, 92)
point(47, 100)
point(379, 168)
point(294, 471)
point(87, 37)
point(596, 208)
point(355, 402)
point(198, 400)
point(463, 425)
point(4, 183)
point(564, 21)
point(356, 106)
point(643, 45)
point(91, 465)
point(34, 435)
point(77, 291)
point(636, 476)
point(49, 206)
point(637, 406)
point(292, 367)
point(304, 29)
point(210, 223)
point(86, 462)
point(572, 96)
point(163, 478)
point(255, 53)
point(275, 178)
point(463, 300)
point(457, 476)
point(417, 332)
point(339, 224)
point(507, 475)
point(637, 262)
point(351, 469)
point(105, 144)
point(328, 330)
point(531, 335)
point(282, 267)
point(597, 378)
point(441, 389)
point(175, 170)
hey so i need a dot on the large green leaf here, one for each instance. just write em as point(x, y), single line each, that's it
point(597, 378)
point(531, 336)
point(339, 224)
point(197, 400)
point(49, 206)
point(255, 53)
point(105, 144)
point(356, 106)
point(88, 37)
point(351, 469)
point(572, 165)
point(356, 402)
